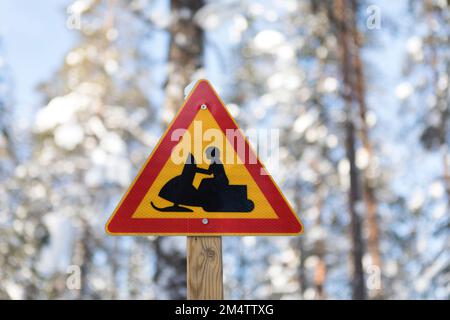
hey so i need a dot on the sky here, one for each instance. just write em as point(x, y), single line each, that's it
point(35, 40)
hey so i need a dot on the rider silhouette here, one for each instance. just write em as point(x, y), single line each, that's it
point(216, 167)
point(213, 194)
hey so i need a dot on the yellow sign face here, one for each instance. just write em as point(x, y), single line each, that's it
point(235, 170)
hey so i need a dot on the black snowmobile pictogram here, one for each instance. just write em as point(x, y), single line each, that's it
point(213, 194)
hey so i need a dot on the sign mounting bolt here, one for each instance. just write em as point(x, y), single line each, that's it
point(205, 221)
point(203, 106)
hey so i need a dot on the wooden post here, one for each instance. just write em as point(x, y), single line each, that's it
point(204, 268)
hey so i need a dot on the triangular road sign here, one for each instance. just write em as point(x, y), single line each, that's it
point(203, 179)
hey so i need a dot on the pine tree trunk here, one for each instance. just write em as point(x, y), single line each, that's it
point(359, 291)
point(185, 52)
point(185, 57)
point(341, 16)
point(301, 268)
point(368, 184)
point(302, 252)
point(83, 258)
point(319, 247)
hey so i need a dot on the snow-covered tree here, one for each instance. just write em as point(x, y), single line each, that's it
point(90, 139)
point(425, 94)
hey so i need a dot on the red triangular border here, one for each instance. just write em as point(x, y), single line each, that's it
point(122, 223)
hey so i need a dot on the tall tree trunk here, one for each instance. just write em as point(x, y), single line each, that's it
point(185, 52)
point(368, 183)
point(83, 258)
point(185, 57)
point(301, 267)
point(359, 291)
point(301, 249)
point(319, 247)
point(114, 262)
point(443, 97)
point(341, 16)
point(444, 144)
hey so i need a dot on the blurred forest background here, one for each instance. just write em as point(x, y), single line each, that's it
point(360, 92)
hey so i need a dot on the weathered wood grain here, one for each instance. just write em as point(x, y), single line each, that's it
point(204, 268)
